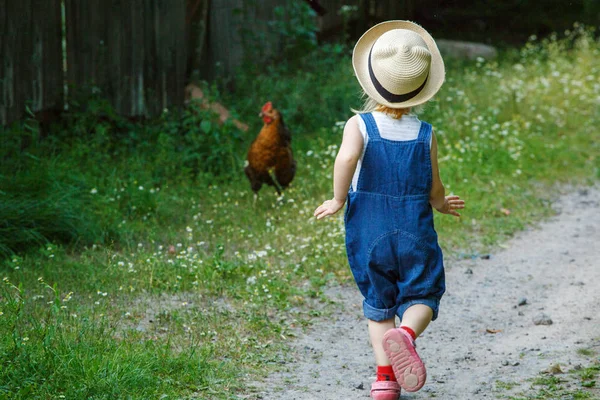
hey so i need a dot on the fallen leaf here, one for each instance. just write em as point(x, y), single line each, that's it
point(488, 330)
point(554, 369)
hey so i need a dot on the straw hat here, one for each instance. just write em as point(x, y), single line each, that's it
point(398, 64)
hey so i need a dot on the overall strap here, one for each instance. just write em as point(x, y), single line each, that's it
point(372, 129)
point(425, 132)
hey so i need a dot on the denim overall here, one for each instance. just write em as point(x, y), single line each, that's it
point(390, 240)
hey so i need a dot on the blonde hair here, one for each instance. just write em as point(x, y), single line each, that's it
point(370, 105)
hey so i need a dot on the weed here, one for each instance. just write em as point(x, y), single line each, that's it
point(505, 385)
point(551, 382)
point(579, 383)
point(585, 352)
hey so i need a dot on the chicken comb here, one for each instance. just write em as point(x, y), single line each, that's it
point(268, 105)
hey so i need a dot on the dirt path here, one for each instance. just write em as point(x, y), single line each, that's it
point(554, 266)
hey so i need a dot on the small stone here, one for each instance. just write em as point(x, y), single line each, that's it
point(522, 301)
point(542, 319)
point(486, 256)
point(469, 271)
point(360, 386)
point(504, 363)
point(521, 313)
point(515, 363)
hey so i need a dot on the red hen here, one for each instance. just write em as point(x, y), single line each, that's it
point(270, 158)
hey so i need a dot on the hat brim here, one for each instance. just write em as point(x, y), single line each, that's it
point(360, 62)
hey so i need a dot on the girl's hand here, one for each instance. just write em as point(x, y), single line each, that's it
point(452, 203)
point(329, 207)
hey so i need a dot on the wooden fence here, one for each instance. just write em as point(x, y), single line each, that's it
point(30, 57)
point(132, 51)
point(137, 53)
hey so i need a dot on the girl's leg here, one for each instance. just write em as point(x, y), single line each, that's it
point(399, 347)
point(376, 332)
point(417, 318)
point(385, 387)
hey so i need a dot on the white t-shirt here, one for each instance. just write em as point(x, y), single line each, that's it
point(405, 128)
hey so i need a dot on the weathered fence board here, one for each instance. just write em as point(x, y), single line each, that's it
point(166, 59)
point(335, 19)
point(394, 9)
point(224, 42)
point(133, 51)
point(230, 24)
point(196, 20)
point(31, 71)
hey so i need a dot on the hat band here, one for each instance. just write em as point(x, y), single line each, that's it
point(389, 96)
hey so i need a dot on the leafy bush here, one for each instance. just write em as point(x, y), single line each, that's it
point(181, 142)
point(193, 140)
point(313, 92)
point(296, 23)
point(288, 34)
point(85, 181)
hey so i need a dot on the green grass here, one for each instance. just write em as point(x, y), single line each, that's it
point(586, 352)
point(502, 385)
point(144, 269)
point(578, 383)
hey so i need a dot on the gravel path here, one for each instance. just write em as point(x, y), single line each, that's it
point(487, 342)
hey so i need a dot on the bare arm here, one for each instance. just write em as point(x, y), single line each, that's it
point(438, 192)
point(343, 170)
point(437, 196)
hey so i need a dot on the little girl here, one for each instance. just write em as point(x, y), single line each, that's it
point(387, 170)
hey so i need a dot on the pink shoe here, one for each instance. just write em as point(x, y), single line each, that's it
point(385, 390)
point(408, 367)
